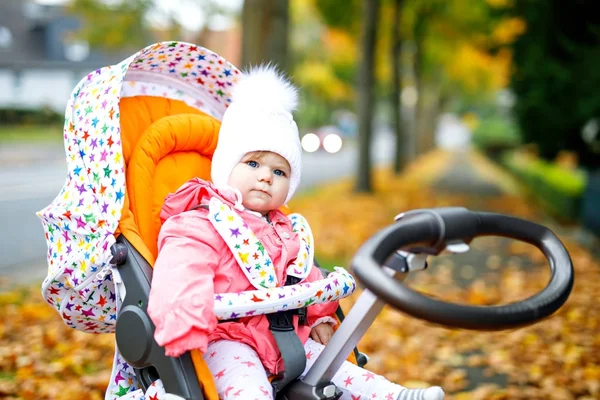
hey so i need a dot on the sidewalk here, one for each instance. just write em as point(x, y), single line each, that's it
point(472, 174)
point(483, 183)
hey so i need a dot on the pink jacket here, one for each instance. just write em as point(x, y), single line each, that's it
point(194, 263)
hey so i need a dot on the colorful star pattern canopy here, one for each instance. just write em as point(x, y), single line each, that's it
point(81, 221)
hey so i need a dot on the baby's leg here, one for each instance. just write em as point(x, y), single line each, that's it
point(237, 371)
point(358, 383)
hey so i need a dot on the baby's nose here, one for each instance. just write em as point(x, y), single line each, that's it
point(265, 176)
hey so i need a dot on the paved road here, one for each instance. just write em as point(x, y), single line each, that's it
point(30, 178)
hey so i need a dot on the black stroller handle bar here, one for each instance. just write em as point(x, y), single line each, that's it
point(430, 231)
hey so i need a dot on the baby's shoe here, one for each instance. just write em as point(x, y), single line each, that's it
point(431, 393)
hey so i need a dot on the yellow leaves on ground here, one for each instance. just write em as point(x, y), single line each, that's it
point(558, 358)
point(41, 358)
point(342, 220)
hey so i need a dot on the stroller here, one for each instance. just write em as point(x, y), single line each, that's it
point(138, 130)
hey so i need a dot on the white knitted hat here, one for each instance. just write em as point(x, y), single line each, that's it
point(259, 118)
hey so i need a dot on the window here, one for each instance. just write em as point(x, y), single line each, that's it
point(76, 50)
point(6, 38)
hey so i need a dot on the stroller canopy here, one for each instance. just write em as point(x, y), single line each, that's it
point(81, 222)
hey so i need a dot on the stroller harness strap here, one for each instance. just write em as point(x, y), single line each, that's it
point(249, 251)
point(258, 267)
point(265, 300)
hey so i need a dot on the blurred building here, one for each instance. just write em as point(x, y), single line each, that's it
point(226, 43)
point(41, 61)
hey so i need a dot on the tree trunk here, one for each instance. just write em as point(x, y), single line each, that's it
point(434, 109)
point(401, 151)
point(366, 95)
point(265, 31)
point(419, 134)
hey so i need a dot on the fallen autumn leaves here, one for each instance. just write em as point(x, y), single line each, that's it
point(559, 358)
point(41, 358)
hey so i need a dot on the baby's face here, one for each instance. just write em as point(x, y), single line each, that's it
point(263, 178)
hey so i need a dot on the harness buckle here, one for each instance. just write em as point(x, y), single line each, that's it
point(281, 321)
point(301, 315)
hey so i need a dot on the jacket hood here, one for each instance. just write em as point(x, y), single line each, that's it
point(194, 193)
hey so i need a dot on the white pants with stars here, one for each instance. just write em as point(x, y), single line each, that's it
point(239, 374)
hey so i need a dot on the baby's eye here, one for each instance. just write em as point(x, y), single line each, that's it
point(252, 164)
point(279, 172)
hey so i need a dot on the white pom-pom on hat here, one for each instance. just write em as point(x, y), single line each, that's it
point(259, 118)
point(264, 85)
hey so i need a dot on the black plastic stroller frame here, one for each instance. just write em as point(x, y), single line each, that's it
point(135, 334)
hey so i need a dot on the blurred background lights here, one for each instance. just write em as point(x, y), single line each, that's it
point(332, 143)
point(310, 142)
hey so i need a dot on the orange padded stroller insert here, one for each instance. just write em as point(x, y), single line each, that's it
point(165, 143)
point(171, 151)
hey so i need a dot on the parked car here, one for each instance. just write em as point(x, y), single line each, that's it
point(327, 138)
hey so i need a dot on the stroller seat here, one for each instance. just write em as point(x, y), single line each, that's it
point(171, 150)
point(135, 132)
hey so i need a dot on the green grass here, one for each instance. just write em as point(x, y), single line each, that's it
point(329, 264)
point(8, 376)
point(31, 133)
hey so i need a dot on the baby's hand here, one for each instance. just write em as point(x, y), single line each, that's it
point(322, 333)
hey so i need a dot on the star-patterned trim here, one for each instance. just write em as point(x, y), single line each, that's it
point(256, 264)
point(81, 221)
point(304, 262)
point(337, 285)
point(250, 253)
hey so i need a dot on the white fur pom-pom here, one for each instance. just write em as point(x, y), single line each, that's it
point(264, 85)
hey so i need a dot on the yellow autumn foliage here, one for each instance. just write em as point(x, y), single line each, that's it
point(340, 46)
point(480, 71)
point(319, 78)
point(500, 3)
point(508, 30)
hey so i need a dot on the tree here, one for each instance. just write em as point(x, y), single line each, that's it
point(424, 13)
point(366, 95)
point(265, 32)
point(455, 55)
point(115, 25)
point(556, 77)
point(324, 43)
point(401, 154)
